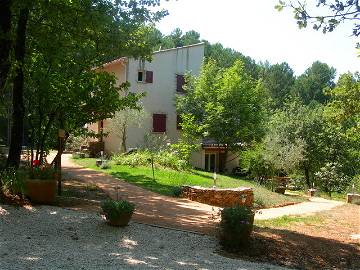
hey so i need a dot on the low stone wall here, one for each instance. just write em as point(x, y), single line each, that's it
point(219, 197)
point(353, 198)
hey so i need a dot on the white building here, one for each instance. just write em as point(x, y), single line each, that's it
point(161, 79)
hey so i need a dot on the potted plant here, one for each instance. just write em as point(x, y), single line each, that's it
point(236, 226)
point(118, 213)
point(41, 184)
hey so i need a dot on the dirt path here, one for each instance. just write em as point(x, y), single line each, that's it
point(312, 206)
point(151, 208)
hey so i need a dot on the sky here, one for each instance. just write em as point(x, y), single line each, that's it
point(256, 29)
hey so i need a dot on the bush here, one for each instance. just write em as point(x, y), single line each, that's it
point(164, 159)
point(74, 143)
point(236, 226)
point(105, 165)
point(13, 181)
point(170, 160)
point(43, 172)
point(176, 191)
point(114, 209)
point(134, 159)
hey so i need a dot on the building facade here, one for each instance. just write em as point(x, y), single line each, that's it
point(161, 80)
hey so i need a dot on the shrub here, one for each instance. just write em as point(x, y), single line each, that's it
point(236, 226)
point(176, 191)
point(105, 165)
point(170, 160)
point(166, 159)
point(134, 159)
point(330, 178)
point(43, 172)
point(13, 181)
point(114, 209)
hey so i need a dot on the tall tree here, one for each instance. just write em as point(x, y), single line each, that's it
point(311, 85)
point(225, 105)
point(278, 80)
point(65, 41)
point(5, 40)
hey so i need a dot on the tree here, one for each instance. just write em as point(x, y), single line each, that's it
point(337, 12)
point(226, 57)
point(5, 41)
point(311, 85)
point(65, 40)
point(223, 104)
point(120, 122)
point(278, 80)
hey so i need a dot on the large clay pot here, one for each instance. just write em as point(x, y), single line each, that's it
point(41, 191)
point(121, 221)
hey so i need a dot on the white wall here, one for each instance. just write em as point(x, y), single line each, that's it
point(160, 95)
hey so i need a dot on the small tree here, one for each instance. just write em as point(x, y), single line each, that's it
point(120, 122)
point(330, 178)
point(154, 143)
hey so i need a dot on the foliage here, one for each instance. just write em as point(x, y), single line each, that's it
point(166, 159)
point(123, 119)
point(139, 158)
point(254, 163)
point(311, 85)
point(62, 87)
point(12, 181)
point(224, 105)
point(278, 80)
point(337, 12)
point(105, 164)
point(236, 226)
point(176, 191)
point(331, 179)
point(74, 143)
point(42, 172)
point(114, 209)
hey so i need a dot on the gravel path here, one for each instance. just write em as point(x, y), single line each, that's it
point(314, 205)
point(48, 237)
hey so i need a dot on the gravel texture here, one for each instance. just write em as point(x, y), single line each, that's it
point(46, 237)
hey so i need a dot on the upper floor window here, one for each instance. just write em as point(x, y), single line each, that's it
point(159, 122)
point(145, 76)
point(180, 82)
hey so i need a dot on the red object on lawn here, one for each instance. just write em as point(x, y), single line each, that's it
point(36, 163)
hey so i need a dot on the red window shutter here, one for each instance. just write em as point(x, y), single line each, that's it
point(149, 76)
point(180, 81)
point(178, 122)
point(159, 122)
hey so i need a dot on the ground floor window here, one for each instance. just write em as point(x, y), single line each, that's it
point(210, 162)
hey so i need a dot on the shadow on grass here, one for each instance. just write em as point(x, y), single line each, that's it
point(293, 249)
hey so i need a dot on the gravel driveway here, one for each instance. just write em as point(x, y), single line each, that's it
point(47, 237)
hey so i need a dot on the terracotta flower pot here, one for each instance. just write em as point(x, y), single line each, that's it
point(41, 191)
point(120, 221)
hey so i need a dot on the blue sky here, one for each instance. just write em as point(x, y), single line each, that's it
point(256, 29)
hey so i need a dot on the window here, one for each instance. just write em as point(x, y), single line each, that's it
point(149, 77)
point(180, 82)
point(145, 76)
point(140, 76)
point(159, 122)
point(178, 122)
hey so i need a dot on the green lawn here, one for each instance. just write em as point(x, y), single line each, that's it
point(167, 180)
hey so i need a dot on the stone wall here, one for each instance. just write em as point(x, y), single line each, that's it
point(219, 197)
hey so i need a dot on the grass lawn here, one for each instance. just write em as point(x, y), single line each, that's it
point(168, 180)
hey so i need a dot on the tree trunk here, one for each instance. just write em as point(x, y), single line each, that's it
point(5, 40)
point(17, 125)
point(307, 176)
point(123, 139)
